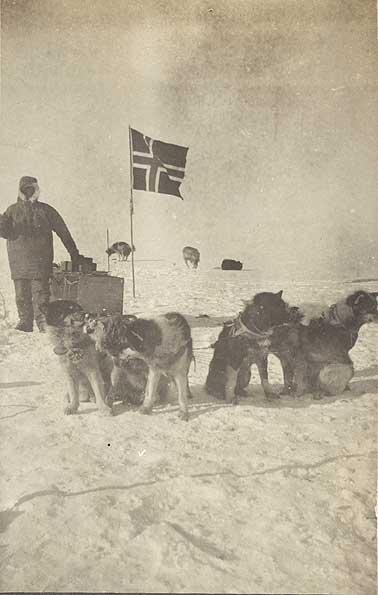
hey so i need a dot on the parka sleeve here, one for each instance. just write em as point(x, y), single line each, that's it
point(58, 225)
point(6, 224)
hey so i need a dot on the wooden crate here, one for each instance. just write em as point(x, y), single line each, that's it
point(92, 291)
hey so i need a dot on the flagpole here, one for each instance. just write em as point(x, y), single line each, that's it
point(131, 212)
point(107, 245)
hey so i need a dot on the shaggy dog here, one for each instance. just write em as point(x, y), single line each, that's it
point(78, 357)
point(315, 353)
point(164, 343)
point(129, 375)
point(122, 249)
point(192, 256)
point(244, 341)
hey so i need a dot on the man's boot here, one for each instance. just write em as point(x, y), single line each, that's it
point(24, 326)
point(24, 305)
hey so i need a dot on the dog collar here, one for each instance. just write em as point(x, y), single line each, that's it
point(239, 328)
point(335, 320)
point(334, 316)
point(61, 350)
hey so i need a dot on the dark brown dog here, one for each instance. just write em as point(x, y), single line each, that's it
point(164, 343)
point(78, 357)
point(244, 341)
point(315, 356)
point(191, 256)
point(122, 249)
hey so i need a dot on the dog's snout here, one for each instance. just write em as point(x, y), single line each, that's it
point(78, 316)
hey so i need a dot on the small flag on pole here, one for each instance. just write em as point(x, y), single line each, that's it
point(157, 166)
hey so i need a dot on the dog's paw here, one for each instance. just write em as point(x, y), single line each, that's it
point(241, 392)
point(109, 399)
point(284, 392)
point(299, 393)
point(106, 412)
point(145, 410)
point(288, 390)
point(184, 415)
point(69, 410)
point(271, 395)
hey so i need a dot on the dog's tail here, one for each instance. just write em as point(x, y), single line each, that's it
point(191, 353)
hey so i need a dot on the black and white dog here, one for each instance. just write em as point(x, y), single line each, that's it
point(163, 342)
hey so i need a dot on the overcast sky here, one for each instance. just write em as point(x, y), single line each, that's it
point(276, 100)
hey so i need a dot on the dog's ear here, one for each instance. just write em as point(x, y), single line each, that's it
point(144, 335)
point(295, 314)
point(279, 293)
point(355, 298)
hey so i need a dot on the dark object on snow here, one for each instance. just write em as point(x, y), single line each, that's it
point(231, 265)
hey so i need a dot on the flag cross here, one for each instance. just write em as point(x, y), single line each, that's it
point(157, 166)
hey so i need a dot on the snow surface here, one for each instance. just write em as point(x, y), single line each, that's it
point(259, 498)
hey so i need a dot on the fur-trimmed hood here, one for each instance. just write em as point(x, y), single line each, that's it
point(28, 182)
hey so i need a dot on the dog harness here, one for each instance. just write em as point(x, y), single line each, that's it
point(239, 328)
point(74, 354)
point(166, 358)
point(335, 320)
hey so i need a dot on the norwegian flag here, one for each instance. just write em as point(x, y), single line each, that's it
point(157, 166)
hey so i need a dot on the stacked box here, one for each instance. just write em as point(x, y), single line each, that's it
point(93, 292)
point(66, 265)
point(96, 292)
point(84, 265)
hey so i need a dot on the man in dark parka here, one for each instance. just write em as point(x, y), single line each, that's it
point(28, 225)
